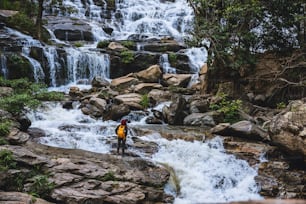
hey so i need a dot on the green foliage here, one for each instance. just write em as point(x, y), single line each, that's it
point(281, 105)
point(16, 103)
point(128, 44)
point(103, 44)
point(16, 59)
point(229, 29)
point(4, 127)
point(172, 57)
point(6, 160)
point(22, 22)
point(3, 141)
point(9, 5)
point(109, 176)
point(145, 101)
point(26, 94)
point(44, 95)
point(78, 44)
point(41, 186)
point(127, 57)
point(230, 108)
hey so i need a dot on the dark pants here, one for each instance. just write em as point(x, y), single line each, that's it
point(121, 143)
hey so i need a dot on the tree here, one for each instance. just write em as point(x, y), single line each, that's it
point(39, 19)
point(234, 31)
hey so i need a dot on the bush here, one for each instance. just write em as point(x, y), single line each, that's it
point(109, 176)
point(16, 103)
point(41, 186)
point(44, 95)
point(23, 22)
point(230, 108)
point(6, 160)
point(4, 127)
point(145, 101)
point(26, 94)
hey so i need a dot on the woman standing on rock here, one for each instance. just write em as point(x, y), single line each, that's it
point(121, 131)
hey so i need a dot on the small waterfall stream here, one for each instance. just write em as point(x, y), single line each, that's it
point(206, 173)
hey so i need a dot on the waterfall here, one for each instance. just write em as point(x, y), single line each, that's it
point(52, 57)
point(84, 66)
point(38, 72)
point(197, 58)
point(164, 63)
point(3, 65)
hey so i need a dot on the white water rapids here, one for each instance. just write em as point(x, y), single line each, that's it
point(205, 172)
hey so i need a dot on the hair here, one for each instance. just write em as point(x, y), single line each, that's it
point(123, 122)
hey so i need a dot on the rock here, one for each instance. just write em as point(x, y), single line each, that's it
point(25, 122)
point(99, 103)
point(82, 176)
point(157, 96)
point(286, 129)
point(144, 88)
point(123, 83)
point(20, 198)
point(6, 91)
point(132, 100)
point(200, 119)
point(116, 46)
point(244, 129)
point(198, 104)
point(150, 75)
point(17, 137)
point(174, 114)
point(180, 80)
point(116, 112)
point(99, 82)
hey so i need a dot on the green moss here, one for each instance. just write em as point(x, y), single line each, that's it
point(103, 44)
point(129, 44)
point(109, 176)
point(172, 57)
point(127, 57)
point(78, 44)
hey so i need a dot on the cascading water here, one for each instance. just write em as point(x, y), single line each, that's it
point(3, 65)
point(206, 174)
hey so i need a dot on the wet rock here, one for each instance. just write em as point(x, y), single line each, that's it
point(25, 122)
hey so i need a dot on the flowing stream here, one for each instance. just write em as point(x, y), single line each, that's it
point(205, 172)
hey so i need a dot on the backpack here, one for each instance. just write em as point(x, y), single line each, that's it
point(121, 131)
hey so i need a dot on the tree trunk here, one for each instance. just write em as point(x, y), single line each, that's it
point(39, 19)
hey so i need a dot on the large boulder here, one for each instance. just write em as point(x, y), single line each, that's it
point(80, 176)
point(150, 75)
point(288, 129)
